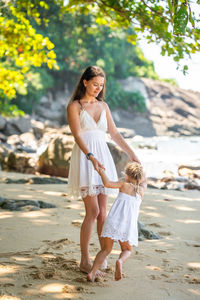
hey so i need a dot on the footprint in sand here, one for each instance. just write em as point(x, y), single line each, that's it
point(192, 244)
point(165, 233)
point(77, 223)
point(27, 285)
point(154, 277)
point(70, 289)
point(43, 249)
point(194, 280)
point(80, 279)
point(160, 251)
point(7, 284)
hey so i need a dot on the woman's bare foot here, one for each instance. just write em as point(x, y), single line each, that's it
point(85, 267)
point(118, 270)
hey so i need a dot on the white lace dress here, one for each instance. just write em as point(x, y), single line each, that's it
point(83, 180)
point(121, 222)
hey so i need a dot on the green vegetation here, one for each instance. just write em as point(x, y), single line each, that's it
point(45, 45)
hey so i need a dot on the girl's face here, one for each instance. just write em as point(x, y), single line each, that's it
point(94, 86)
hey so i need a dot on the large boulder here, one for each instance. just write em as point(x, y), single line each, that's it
point(25, 142)
point(38, 128)
point(2, 123)
point(55, 159)
point(53, 108)
point(3, 154)
point(17, 125)
point(120, 158)
point(19, 162)
point(189, 171)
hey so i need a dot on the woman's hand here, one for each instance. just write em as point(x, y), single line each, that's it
point(96, 164)
point(134, 157)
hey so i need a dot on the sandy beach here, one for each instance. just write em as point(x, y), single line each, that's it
point(39, 250)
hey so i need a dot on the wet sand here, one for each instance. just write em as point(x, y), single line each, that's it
point(39, 250)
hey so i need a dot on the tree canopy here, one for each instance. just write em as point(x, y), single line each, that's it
point(29, 30)
point(173, 23)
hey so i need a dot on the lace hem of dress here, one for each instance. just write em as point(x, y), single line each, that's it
point(115, 234)
point(93, 190)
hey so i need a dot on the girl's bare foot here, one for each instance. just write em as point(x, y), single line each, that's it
point(95, 277)
point(90, 277)
point(104, 264)
point(100, 273)
point(118, 270)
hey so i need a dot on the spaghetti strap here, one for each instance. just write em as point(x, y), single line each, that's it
point(80, 105)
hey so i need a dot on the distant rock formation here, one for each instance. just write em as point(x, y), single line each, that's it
point(170, 110)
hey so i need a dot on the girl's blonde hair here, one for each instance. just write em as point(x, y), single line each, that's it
point(135, 171)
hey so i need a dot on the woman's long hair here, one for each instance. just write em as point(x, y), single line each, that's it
point(88, 74)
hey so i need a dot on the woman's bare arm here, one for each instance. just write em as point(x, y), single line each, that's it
point(117, 137)
point(73, 116)
point(107, 183)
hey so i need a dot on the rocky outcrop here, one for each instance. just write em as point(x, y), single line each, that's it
point(173, 183)
point(53, 108)
point(120, 158)
point(34, 180)
point(170, 110)
point(10, 126)
point(55, 159)
point(189, 171)
point(145, 233)
point(23, 205)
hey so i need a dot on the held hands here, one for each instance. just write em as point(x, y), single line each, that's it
point(96, 164)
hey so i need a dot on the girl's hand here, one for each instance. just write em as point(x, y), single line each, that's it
point(96, 164)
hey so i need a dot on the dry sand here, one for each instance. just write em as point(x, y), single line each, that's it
point(39, 250)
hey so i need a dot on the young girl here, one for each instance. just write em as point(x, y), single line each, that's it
point(121, 222)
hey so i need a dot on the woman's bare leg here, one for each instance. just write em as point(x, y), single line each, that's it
point(102, 200)
point(92, 211)
point(124, 255)
point(100, 257)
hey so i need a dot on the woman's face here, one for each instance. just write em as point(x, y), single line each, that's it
point(94, 86)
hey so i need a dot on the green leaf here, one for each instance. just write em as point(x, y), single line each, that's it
point(180, 21)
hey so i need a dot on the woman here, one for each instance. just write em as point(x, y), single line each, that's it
point(89, 118)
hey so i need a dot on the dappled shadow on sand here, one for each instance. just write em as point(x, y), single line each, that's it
point(48, 272)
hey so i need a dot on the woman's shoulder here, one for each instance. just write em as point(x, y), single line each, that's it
point(105, 105)
point(74, 105)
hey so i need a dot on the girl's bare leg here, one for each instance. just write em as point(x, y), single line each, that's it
point(102, 200)
point(100, 257)
point(92, 211)
point(124, 255)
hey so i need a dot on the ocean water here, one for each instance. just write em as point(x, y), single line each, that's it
point(168, 155)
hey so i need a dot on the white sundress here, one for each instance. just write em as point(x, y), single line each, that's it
point(83, 180)
point(121, 222)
